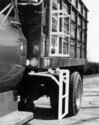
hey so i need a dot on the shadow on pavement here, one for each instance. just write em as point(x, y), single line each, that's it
point(44, 114)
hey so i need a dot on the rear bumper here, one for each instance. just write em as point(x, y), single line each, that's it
point(61, 62)
point(56, 62)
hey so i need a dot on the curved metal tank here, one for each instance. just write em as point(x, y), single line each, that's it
point(12, 53)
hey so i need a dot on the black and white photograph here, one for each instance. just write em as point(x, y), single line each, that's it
point(49, 62)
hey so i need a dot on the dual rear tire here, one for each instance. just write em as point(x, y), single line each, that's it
point(75, 95)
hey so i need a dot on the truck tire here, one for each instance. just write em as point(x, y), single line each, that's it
point(75, 93)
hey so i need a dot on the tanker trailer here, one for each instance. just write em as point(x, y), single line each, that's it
point(12, 64)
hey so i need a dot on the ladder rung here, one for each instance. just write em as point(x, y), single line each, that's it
point(60, 11)
point(58, 55)
point(60, 33)
point(63, 16)
point(64, 96)
point(65, 77)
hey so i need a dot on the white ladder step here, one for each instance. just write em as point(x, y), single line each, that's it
point(63, 79)
point(64, 96)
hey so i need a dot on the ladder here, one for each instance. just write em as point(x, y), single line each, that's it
point(59, 29)
point(63, 104)
point(63, 83)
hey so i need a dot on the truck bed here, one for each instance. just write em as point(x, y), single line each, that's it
point(56, 32)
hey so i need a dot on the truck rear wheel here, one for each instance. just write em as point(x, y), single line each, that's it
point(75, 93)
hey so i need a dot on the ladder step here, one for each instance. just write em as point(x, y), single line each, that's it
point(16, 118)
point(64, 96)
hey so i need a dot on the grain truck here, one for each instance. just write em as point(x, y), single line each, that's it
point(56, 33)
point(43, 47)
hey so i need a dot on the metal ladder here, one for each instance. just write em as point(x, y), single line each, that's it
point(60, 16)
point(63, 93)
point(63, 83)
